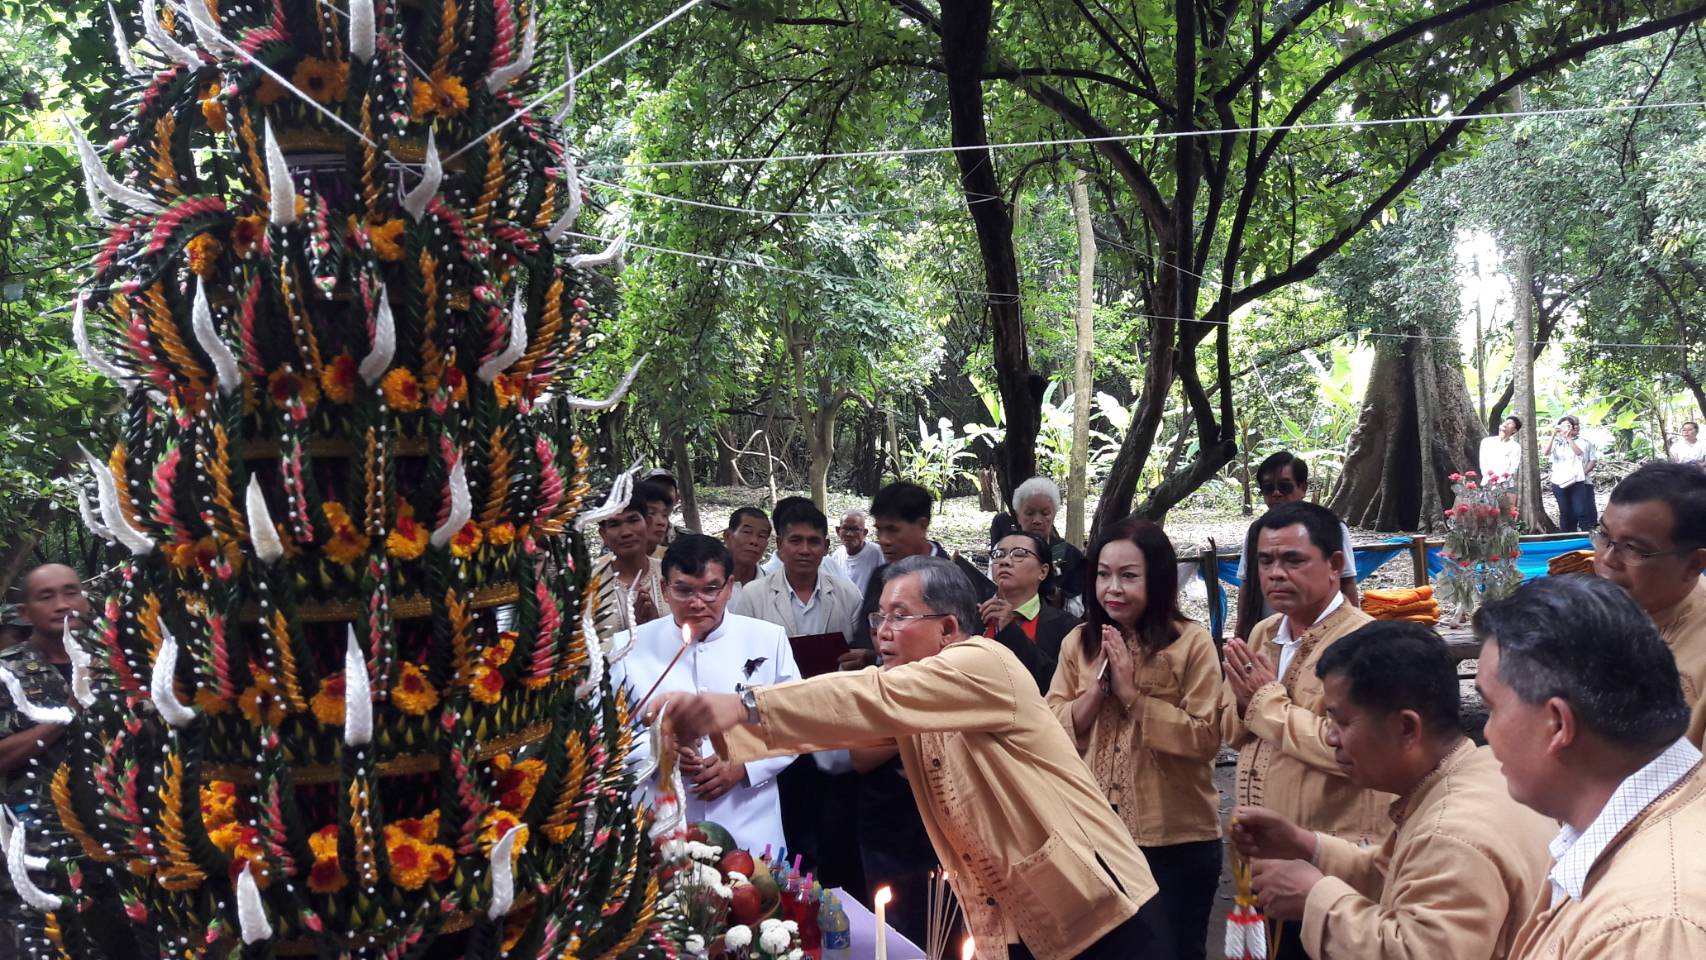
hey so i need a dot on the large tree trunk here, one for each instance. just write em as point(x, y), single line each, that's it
point(1083, 381)
point(1417, 427)
point(1529, 503)
point(822, 439)
point(684, 478)
point(965, 49)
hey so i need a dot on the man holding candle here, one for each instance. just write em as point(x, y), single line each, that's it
point(1041, 865)
point(699, 648)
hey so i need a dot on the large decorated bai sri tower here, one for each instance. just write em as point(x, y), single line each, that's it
point(343, 701)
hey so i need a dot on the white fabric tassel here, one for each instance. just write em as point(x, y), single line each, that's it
point(112, 514)
point(358, 695)
point(503, 875)
point(569, 97)
point(32, 711)
point(160, 682)
point(96, 362)
point(100, 181)
point(378, 360)
point(504, 75)
point(121, 44)
point(81, 686)
point(461, 505)
point(281, 197)
point(517, 342)
point(585, 405)
point(621, 491)
point(432, 174)
point(201, 322)
point(611, 255)
point(94, 524)
point(162, 40)
point(251, 912)
point(207, 32)
point(362, 33)
point(8, 822)
point(572, 187)
point(263, 536)
point(17, 862)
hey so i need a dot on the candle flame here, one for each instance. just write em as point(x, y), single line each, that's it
point(686, 635)
point(884, 896)
point(968, 949)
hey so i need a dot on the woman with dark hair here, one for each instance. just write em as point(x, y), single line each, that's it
point(1138, 689)
point(1016, 616)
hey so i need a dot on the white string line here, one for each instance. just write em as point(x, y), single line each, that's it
point(1165, 135)
point(808, 214)
point(566, 84)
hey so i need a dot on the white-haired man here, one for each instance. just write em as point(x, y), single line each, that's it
point(856, 559)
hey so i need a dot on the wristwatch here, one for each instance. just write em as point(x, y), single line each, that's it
point(749, 699)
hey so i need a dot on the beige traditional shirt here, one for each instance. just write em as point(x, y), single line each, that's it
point(1284, 762)
point(1033, 851)
point(1156, 764)
point(1684, 629)
point(1455, 879)
point(1645, 895)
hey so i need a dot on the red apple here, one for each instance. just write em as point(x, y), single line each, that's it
point(746, 906)
point(737, 861)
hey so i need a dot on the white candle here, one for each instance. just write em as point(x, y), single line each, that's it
point(884, 895)
point(968, 950)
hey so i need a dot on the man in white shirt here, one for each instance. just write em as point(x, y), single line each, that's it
point(1689, 449)
point(728, 653)
point(855, 559)
point(1573, 459)
point(1586, 717)
point(747, 538)
point(1501, 455)
point(1282, 478)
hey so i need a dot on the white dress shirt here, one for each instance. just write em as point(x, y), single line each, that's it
point(1684, 452)
point(1574, 854)
point(1568, 466)
point(1288, 644)
point(1500, 457)
point(740, 652)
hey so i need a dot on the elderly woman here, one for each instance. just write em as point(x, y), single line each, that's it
point(1035, 505)
point(1016, 615)
point(1138, 689)
point(1041, 865)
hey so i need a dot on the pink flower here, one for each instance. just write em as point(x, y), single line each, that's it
point(1456, 476)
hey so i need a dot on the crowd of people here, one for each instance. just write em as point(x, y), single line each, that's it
point(1047, 732)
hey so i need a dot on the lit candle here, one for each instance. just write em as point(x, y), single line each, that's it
point(968, 950)
point(884, 895)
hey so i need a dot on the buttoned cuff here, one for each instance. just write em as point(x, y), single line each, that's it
point(1318, 907)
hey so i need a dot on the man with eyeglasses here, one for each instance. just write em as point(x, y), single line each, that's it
point(855, 559)
point(1282, 478)
point(725, 653)
point(1651, 541)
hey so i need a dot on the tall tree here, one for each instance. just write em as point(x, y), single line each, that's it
point(1083, 379)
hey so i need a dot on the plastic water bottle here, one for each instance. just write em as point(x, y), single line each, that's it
point(806, 915)
point(832, 930)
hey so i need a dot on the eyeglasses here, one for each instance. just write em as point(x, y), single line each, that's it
point(684, 593)
point(849, 529)
point(1602, 541)
point(1284, 488)
point(899, 621)
point(1017, 553)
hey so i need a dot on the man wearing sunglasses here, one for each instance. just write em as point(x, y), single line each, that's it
point(1651, 541)
point(1282, 478)
point(725, 653)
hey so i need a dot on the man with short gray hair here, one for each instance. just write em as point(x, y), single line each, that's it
point(1586, 717)
point(855, 559)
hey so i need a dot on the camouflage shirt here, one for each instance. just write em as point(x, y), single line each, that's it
point(46, 687)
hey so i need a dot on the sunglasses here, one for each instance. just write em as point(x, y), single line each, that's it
point(1283, 487)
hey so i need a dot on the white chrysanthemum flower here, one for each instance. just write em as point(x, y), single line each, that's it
point(768, 924)
point(674, 849)
point(737, 879)
point(695, 945)
point(796, 954)
point(775, 941)
point(737, 937)
point(791, 926)
point(723, 890)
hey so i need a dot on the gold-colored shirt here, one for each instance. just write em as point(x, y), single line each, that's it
point(1684, 629)
point(1284, 762)
point(1034, 852)
point(1156, 764)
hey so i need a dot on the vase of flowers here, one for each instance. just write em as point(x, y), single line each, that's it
point(1482, 544)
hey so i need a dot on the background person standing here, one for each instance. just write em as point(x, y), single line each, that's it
point(1573, 459)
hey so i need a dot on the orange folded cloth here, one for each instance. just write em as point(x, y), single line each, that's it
point(1576, 561)
point(1397, 597)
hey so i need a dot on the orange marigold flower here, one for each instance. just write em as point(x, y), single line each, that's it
point(497, 823)
point(443, 862)
point(387, 239)
point(260, 702)
point(348, 543)
point(213, 112)
point(402, 391)
point(203, 250)
point(413, 693)
point(324, 842)
point(444, 95)
point(326, 876)
point(323, 80)
point(285, 389)
point(467, 540)
point(218, 803)
point(410, 864)
point(246, 234)
point(499, 653)
point(500, 534)
point(457, 383)
point(517, 782)
point(208, 701)
point(328, 702)
point(337, 381)
point(507, 387)
point(408, 539)
point(488, 684)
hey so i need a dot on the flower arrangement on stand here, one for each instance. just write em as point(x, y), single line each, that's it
point(729, 904)
point(1482, 544)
